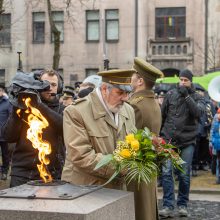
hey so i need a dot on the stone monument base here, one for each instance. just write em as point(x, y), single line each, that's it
point(103, 204)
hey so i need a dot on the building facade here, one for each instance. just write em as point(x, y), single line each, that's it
point(169, 34)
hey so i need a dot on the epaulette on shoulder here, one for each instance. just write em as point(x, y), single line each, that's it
point(137, 99)
point(77, 101)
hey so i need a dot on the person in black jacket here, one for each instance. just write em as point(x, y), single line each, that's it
point(5, 109)
point(25, 157)
point(181, 110)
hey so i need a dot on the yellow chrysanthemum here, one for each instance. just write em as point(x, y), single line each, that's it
point(125, 153)
point(135, 145)
point(129, 138)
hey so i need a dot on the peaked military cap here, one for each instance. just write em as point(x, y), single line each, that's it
point(68, 92)
point(146, 70)
point(120, 78)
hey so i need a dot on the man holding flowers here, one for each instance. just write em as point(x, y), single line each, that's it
point(92, 127)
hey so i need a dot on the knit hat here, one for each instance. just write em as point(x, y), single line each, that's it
point(186, 73)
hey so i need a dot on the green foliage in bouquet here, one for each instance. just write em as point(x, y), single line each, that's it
point(139, 157)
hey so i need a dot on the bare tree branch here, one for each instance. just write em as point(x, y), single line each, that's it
point(213, 55)
point(56, 35)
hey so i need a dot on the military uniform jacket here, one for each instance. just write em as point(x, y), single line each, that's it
point(147, 110)
point(147, 114)
point(90, 133)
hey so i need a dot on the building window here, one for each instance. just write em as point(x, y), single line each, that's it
point(36, 69)
point(58, 19)
point(170, 22)
point(38, 27)
point(92, 25)
point(2, 76)
point(166, 50)
point(178, 49)
point(90, 72)
point(172, 49)
point(154, 50)
point(112, 25)
point(5, 27)
point(185, 49)
point(160, 50)
point(73, 79)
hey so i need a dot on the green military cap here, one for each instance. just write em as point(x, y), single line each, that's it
point(68, 95)
point(120, 78)
point(68, 92)
point(146, 70)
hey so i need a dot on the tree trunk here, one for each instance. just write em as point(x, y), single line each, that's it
point(1, 11)
point(56, 34)
point(1, 6)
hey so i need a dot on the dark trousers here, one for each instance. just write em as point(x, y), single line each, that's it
point(201, 154)
point(18, 180)
point(203, 151)
point(184, 180)
point(214, 164)
point(5, 156)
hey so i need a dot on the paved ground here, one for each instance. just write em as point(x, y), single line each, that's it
point(201, 207)
point(4, 184)
point(204, 198)
point(200, 210)
point(204, 180)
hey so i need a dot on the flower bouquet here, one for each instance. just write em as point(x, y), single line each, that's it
point(140, 156)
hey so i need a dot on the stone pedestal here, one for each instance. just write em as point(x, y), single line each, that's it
point(103, 204)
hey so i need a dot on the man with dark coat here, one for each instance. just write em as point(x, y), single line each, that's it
point(181, 110)
point(5, 108)
point(25, 157)
point(147, 114)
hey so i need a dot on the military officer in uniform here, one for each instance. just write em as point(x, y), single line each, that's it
point(147, 114)
point(93, 125)
point(68, 95)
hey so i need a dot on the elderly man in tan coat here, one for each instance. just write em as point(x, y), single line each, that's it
point(147, 114)
point(93, 125)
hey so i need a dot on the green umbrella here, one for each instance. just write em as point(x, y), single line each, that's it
point(202, 80)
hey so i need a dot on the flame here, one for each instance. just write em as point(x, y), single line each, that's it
point(37, 122)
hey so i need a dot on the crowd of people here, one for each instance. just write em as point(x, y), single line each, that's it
point(85, 123)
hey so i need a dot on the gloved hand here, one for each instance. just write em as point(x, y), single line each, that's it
point(35, 98)
point(183, 91)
